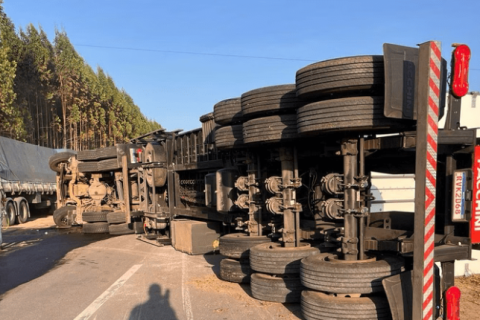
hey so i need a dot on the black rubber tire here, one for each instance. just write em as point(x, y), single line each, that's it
point(229, 136)
point(95, 227)
point(237, 245)
point(23, 212)
point(86, 155)
point(108, 153)
point(58, 158)
point(272, 258)
point(116, 217)
point(120, 229)
point(237, 271)
point(270, 129)
point(97, 154)
point(138, 227)
point(86, 167)
point(283, 289)
point(347, 114)
point(11, 213)
point(95, 216)
point(155, 153)
point(109, 165)
point(343, 75)
point(60, 217)
point(207, 117)
point(228, 112)
point(269, 101)
point(324, 272)
point(320, 306)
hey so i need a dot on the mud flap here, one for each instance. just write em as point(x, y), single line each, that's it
point(401, 82)
point(399, 291)
point(399, 294)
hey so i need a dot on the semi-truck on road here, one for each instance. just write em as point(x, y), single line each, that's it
point(26, 180)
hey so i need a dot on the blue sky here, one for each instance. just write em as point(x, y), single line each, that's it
point(171, 80)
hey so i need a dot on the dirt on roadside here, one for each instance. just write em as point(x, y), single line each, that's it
point(470, 296)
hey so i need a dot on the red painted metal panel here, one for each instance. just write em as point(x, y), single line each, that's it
point(475, 222)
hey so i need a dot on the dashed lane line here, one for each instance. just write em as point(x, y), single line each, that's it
point(107, 294)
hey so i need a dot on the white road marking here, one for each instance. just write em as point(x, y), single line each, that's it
point(107, 294)
point(187, 306)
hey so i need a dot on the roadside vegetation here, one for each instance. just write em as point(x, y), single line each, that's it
point(51, 97)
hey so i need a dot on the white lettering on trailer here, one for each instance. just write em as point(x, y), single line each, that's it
point(477, 199)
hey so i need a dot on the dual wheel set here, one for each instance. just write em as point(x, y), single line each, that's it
point(339, 95)
point(16, 210)
point(113, 223)
point(327, 287)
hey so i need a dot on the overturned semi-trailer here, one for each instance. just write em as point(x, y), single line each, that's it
point(284, 174)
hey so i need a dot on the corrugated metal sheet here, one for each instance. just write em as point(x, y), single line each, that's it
point(393, 192)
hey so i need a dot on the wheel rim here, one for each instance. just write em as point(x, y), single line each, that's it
point(61, 217)
point(64, 220)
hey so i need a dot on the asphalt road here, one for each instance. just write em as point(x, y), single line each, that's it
point(46, 273)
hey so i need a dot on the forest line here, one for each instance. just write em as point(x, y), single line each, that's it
point(49, 96)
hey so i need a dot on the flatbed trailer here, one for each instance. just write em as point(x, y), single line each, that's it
point(283, 175)
point(26, 181)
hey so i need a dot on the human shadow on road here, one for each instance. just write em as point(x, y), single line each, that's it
point(157, 306)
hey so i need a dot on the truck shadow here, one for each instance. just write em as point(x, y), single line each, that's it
point(29, 254)
point(156, 307)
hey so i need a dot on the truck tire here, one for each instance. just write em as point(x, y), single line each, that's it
point(321, 306)
point(229, 136)
point(95, 216)
point(55, 160)
point(237, 271)
point(109, 165)
point(207, 117)
point(237, 245)
point(116, 217)
point(23, 212)
point(269, 101)
point(10, 213)
point(341, 76)
point(272, 258)
point(97, 154)
point(95, 227)
point(86, 155)
point(347, 114)
point(324, 272)
point(228, 112)
point(155, 176)
point(120, 229)
point(60, 217)
point(270, 129)
point(138, 226)
point(86, 167)
point(283, 289)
